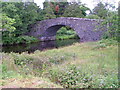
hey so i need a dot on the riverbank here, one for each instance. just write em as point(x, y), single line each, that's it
point(30, 48)
point(31, 40)
point(62, 34)
point(81, 65)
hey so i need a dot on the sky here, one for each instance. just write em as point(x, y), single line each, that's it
point(89, 3)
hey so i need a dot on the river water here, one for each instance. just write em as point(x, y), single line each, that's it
point(30, 48)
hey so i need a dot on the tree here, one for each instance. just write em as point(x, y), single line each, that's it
point(23, 13)
point(110, 18)
point(57, 8)
point(17, 17)
point(112, 25)
point(48, 11)
point(67, 9)
point(7, 25)
point(73, 10)
point(111, 21)
point(83, 8)
point(100, 10)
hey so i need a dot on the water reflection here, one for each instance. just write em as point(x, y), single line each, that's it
point(38, 46)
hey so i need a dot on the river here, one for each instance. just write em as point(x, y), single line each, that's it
point(30, 48)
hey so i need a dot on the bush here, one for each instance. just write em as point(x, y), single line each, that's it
point(26, 39)
point(18, 40)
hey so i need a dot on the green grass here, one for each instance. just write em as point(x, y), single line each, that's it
point(81, 65)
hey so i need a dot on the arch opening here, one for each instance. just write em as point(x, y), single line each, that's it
point(60, 32)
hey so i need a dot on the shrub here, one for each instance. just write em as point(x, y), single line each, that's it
point(19, 40)
point(26, 39)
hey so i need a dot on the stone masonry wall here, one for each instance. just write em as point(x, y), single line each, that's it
point(86, 29)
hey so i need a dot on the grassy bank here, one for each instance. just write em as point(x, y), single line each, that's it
point(81, 65)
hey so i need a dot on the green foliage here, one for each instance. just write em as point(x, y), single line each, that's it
point(65, 33)
point(19, 40)
point(100, 10)
point(104, 43)
point(26, 39)
point(65, 9)
point(92, 16)
point(9, 74)
point(83, 8)
point(49, 14)
point(4, 68)
point(64, 30)
point(7, 23)
point(66, 79)
point(21, 59)
point(73, 10)
point(76, 77)
point(61, 6)
point(70, 77)
point(19, 16)
point(7, 26)
point(111, 21)
point(108, 42)
point(6, 73)
point(24, 14)
point(63, 37)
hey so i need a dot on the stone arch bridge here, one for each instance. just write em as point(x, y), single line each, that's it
point(85, 28)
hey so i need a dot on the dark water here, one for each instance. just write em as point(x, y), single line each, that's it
point(30, 48)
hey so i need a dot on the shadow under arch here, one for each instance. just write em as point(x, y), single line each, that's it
point(50, 33)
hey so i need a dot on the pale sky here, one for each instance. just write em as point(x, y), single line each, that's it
point(89, 3)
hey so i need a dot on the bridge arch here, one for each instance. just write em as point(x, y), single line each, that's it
point(52, 31)
point(84, 28)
